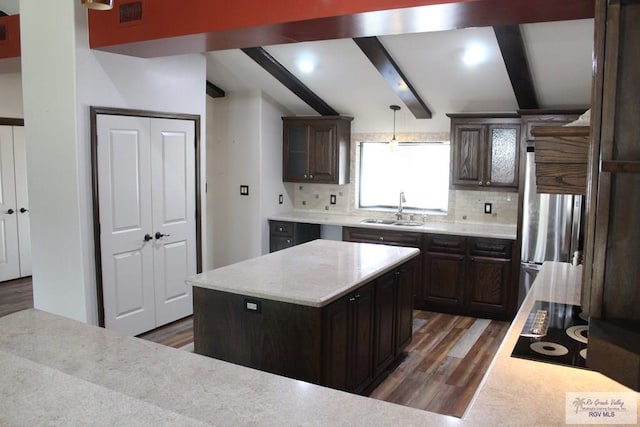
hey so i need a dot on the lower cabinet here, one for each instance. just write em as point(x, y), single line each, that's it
point(284, 234)
point(457, 274)
point(348, 345)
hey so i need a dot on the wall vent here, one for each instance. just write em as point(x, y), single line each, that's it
point(130, 12)
point(3, 32)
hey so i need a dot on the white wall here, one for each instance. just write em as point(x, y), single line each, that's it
point(58, 138)
point(271, 168)
point(244, 148)
point(11, 91)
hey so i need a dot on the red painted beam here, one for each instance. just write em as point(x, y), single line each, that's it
point(178, 27)
point(10, 36)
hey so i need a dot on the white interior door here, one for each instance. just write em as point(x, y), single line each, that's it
point(174, 208)
point(22, 200)
point(124, 188)
point(9, 252)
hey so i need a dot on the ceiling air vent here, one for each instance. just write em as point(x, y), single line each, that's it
point(131, 12)
point(3, 32)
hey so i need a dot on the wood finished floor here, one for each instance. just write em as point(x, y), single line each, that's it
point(443, 367)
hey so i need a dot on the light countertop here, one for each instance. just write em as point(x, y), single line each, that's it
point(312, 274)
point(57, 371)
point(454, 228)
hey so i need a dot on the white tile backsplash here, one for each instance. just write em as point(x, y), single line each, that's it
point(464, 205)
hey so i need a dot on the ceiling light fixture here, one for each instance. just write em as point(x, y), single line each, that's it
point(474, 54)
point(98, 4)
point(306, 66)
point(393, 144)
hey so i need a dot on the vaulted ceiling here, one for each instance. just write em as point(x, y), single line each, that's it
point(559, 57)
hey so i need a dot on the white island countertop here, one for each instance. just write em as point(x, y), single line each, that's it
point(314, 274)
point(57, 371)
point(495, 231)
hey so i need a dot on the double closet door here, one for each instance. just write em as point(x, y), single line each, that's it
point(146, 194)
point(15, 237)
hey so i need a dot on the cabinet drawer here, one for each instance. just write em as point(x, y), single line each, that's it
point(389, 237)
point(492, 248)
point(281, 228)
point(446, 244)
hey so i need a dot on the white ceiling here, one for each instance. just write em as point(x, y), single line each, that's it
point(10, 7)
point(559, 54)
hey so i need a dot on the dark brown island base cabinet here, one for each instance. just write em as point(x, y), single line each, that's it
point(284, 234)
point(349, 345)
point(485, 151)
point(471, 276)
point(316, 149)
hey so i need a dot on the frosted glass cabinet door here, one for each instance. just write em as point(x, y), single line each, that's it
point(503, 156)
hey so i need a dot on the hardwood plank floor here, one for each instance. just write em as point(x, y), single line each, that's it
point(443, 366)
point(16, 295)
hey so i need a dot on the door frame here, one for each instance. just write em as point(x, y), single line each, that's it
point(94, 112)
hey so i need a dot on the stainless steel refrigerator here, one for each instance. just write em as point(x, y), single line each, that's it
point(551, 228)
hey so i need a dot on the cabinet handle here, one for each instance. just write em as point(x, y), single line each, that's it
point(488, 183)
point(280, 229)
point(159, 235)
point(352, 299)
point(479, 182)
point(147, 237)
point(10, 211)
point(288, 241)
point(311, 176)
point(358, 296)
point(305, 175)
point(382, 238)
point(23, 210)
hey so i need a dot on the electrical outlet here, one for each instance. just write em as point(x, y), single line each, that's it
point(280, 199)
point(332, 199)
point(244, 190)
point(487, 208)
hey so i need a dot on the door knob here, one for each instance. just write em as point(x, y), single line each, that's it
point(160, 235)
point(10, 211)
point(23, 210)
point(147, 237)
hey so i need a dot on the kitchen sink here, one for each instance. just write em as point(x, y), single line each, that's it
point(408, 223)
point(378, 221)
point(391, 222)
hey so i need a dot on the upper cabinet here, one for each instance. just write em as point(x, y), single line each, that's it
point(316, 149)
point(485, 151)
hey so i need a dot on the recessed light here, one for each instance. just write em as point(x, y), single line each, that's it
point(306, 66)
point(474, 54)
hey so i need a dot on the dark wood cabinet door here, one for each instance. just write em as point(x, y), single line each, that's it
point(361, 319)
point(323, 153)
point(385, 322)
point(444, 280)
point(488, 285)
point(296, 152)
point(407, 278)
point(336, 345)
point(468, 155)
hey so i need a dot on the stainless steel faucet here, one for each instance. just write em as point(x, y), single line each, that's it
point(400, 206)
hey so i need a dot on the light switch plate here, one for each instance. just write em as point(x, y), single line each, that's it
point(244, 190)
point(280, 199)
point(332, 199)
point(487, 208)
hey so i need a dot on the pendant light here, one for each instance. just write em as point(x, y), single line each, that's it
point(393, 144)
point(98, 4)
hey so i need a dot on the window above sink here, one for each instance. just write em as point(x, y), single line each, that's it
point(420, 169)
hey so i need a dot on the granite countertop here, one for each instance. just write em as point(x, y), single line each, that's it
point(312, 274)
point(58, 371)
point(454, 228)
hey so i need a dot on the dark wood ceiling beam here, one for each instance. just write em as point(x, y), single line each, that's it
point(209, 32)
point(515, 59)
point(214, 91)
point(284, 76)
point(393, 75)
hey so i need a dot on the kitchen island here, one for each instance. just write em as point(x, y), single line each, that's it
point(331, 313)
point(58, 371)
